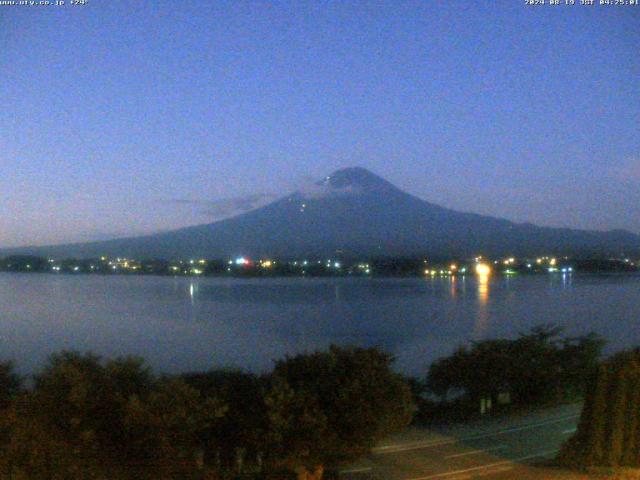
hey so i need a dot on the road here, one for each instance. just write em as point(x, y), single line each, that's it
point(489, 449)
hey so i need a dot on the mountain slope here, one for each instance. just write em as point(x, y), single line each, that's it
point(354, 212)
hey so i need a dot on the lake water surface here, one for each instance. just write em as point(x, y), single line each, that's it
point(181, 324)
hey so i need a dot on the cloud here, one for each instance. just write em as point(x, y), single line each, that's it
point(310, 189)
point(227, 207)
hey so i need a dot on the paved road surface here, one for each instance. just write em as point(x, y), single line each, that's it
point(489, 449)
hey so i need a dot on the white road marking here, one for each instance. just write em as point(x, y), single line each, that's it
point(356, 470)
point(403, 447)
point(475, 452)
point(488, 465)
point(571, 430)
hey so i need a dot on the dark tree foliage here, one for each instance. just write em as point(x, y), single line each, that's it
point(601, 265)
point(10, 384)
point(23, 263)
point(535, 367)
point(92, 420)
point(398, 266)
point(608, 432)
point(240, 434)
point(331, 407)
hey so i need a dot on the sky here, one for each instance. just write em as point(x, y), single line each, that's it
point(120, 118)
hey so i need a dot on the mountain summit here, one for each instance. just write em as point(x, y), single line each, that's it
point(358, 177)
point(354, 212)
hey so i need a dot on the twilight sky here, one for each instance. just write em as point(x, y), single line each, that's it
point(121, 117)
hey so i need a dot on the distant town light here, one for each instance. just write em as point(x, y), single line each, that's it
point(483, 269)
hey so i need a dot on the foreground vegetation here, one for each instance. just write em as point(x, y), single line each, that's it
point(88, 419)
point(608, 434)
point(537, 368)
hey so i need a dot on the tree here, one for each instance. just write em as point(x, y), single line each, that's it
point(632, 438)
point(10, 384)
point(241, 432)
point(607, 433)
point(54, 426)
point(618, 417)
point(165, 428)
point(90, 419)
point(298, 431)
point(578, 358)
point(331, 407)
point(533, 368)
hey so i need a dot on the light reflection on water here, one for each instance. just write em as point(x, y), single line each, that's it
point(482, 318)
point(196, 323)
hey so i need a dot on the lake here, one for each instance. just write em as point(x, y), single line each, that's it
point(181, 324)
